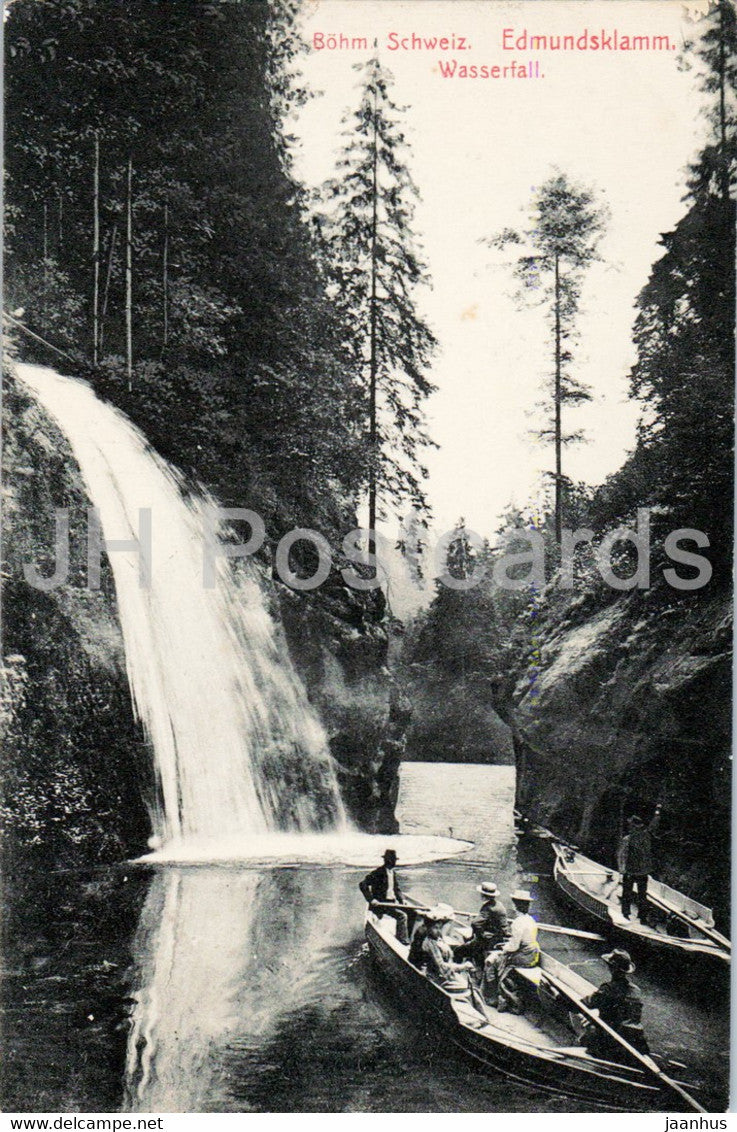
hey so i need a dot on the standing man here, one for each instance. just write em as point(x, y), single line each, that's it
point(635, 862)
point(490, 927)
point(382, 886)
point(520, 950)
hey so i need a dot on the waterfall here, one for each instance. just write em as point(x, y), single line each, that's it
point(238, 750)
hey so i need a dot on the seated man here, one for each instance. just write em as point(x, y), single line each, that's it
point(382, 887)
point(619, 1005)
point(490, 927)
point(520, 950)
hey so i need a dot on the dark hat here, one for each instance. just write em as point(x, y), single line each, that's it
point(619, 961)
point(390, 853)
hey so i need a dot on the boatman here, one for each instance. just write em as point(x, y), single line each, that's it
point(635, 862)
point(382, 887)
point(520, 950)
point(490, 927)
point(620, 1006)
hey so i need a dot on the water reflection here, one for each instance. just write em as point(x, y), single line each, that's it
point(219, 956)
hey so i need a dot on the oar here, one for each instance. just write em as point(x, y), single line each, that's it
point(557, 930)
point(642, 1058)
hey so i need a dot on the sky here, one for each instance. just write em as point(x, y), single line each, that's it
point(625, 123)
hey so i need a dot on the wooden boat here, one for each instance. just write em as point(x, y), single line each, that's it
point(525, 827)
point(679, 926)
point(539, 1048)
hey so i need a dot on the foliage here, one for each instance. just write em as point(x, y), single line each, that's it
point(365, 218)
point(555, 251)
point(684, 331)
point(236, 339)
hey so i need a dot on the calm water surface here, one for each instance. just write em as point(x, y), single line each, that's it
point(236, 989)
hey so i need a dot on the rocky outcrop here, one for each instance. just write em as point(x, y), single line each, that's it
point(76, 771)
point(340, 650)
point(627, 705)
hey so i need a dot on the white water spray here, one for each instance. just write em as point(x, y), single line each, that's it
point(238, 750)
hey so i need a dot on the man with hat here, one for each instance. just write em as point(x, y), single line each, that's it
point(382, 887)
point(635, 862)
point(490, 927)
point(520, 950)
point(620, 1006)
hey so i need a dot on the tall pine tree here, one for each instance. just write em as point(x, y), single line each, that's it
point(365, 218)
point(556, 250)
point(684, 331)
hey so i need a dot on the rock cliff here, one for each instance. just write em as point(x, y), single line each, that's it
point(626, 705)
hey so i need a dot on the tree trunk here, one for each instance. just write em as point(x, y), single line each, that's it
point(558, 407)
point(129, 277)
point(45, 293)
point(110, 260)
point(373, 430)
point(165, 283)
point(723, 154)
point(96, 251)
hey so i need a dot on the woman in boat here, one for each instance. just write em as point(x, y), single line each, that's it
point(620, 1006)
point(437, 953)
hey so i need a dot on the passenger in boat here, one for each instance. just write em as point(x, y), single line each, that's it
point(635, 862)
point(417, 955)
point(382, 887)
point(520, 950)
point(490, 927)
point(620, 1006)
point(440, 965)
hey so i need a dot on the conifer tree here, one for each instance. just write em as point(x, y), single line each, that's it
point(365, 219)
point(556, 249)
point(684, 331)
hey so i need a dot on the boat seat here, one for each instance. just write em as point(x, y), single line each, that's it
point(531, 975)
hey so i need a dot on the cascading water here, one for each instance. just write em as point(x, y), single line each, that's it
point(237, 748)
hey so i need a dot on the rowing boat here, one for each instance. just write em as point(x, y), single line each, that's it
point(677, 925)
point(540, 1048)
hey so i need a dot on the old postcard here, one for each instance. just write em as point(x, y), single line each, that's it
point(367, 596)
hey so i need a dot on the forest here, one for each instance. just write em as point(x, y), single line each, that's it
point(269, 340)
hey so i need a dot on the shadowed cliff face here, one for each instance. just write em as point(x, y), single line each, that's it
point(76, 772)
point(631, 706)
point(341, 654)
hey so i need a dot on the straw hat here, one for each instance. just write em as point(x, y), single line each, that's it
point(522, 895)
point(487, 888)
point(440, 914)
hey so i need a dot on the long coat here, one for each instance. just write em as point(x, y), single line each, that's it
point(374, 886)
